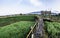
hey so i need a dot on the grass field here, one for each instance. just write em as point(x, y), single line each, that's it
point(16, 30)
point(53, 29)
point(13, 19)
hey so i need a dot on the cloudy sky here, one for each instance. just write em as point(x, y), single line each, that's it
point(26, 6)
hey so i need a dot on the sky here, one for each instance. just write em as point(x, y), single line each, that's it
point(8, 7)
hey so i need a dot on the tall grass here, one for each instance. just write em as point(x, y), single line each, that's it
point(53, 29)
point(16, 30)
point(13, 19)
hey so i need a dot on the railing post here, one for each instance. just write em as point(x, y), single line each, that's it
point(32, 36)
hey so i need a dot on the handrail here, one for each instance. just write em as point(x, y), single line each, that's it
point(31, 30)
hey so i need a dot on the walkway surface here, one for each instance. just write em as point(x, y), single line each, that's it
point(39, 31)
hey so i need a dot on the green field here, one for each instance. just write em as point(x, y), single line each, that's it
point(53, 29)
point(13, 19)
point(16, 30)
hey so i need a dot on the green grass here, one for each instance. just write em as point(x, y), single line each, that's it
point(16, 30)
point(53, 29)
point(13, 19)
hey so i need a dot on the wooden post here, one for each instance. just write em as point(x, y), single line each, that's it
point(32, 36)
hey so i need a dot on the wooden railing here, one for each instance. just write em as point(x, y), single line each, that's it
point(32, 29)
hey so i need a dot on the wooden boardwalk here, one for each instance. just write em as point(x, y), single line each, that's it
point(38, 31)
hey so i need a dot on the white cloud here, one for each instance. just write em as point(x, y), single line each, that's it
point(36, 2)
point(17, 7)
point(16, 10)
point(54, 6)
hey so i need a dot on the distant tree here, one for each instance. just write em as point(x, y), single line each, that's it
point(59, 14)
point(20, 13)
